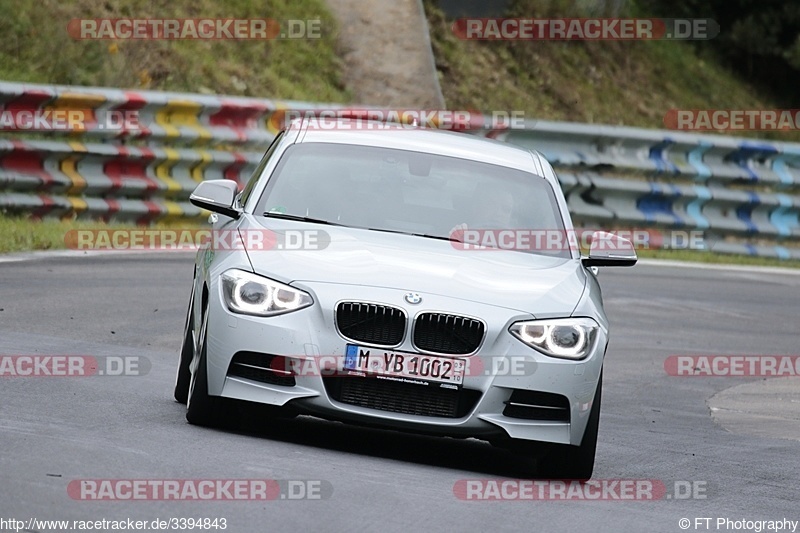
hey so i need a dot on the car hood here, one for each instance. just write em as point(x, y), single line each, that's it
point(541, 285)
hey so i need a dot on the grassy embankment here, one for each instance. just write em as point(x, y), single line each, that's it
point(631, 83)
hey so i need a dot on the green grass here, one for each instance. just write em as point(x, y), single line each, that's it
point(633, 83)
point(37, 48)
point(19, 234)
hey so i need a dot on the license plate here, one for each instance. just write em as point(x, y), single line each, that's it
point(404, 366)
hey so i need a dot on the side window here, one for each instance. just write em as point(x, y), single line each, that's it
point(251, 183)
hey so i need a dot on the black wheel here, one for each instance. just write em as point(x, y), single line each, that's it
point(184, 377)
point(203, 409)
point(576, 462)
point(559, 461)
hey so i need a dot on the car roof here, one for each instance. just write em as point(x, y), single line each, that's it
point(416, 139)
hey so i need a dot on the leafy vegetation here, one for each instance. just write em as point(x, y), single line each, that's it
point(37, 47)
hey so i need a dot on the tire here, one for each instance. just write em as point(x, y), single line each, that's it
point(203, 409)
point(559, 461)
point(576, 462)
point(184, 377)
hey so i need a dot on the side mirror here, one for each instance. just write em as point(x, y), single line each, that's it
point(216, 196)
point(608, 249)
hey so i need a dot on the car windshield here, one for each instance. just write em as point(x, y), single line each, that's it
point(407, 192)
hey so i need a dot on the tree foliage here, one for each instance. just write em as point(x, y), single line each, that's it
point(760, 39)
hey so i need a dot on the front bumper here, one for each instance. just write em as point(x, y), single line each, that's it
point(504, 365)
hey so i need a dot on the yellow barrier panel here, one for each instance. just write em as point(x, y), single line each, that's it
point(181, 113)
point(163, 170)
point(69, 167)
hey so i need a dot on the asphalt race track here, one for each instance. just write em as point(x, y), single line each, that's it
point(54, 430)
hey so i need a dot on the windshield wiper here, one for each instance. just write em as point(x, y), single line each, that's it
point(426, 235)
point(439, 237)
point(300, 218)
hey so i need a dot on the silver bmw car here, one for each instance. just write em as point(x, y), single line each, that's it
point(413, 279)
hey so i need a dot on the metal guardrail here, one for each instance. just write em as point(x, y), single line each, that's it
point(142, 170)
point(105, 181)
point(742, 193)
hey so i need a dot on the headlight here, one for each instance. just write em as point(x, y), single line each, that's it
point(250, 294)
point(567, 338)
